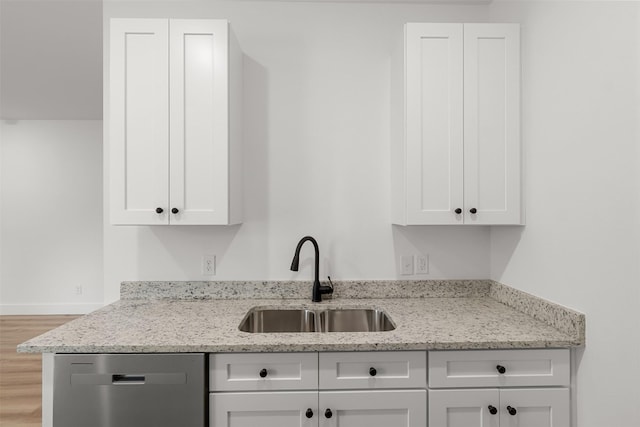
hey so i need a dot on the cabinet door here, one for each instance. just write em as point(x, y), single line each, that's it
point(199, 121)
point(397, 408)
point(434, 114)
point(272, 409)
point(492, 124)
point(534, 408)
point(138, 121)
point(464, 408)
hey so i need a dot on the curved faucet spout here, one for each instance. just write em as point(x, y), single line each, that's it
point(318, 289)
point(296, 258)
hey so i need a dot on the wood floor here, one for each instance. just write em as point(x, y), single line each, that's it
point(20, 373)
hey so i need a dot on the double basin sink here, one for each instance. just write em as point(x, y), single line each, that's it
point(265, 320)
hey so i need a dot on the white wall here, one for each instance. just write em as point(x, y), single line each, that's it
point(316, 152)
point(51, 59)
point(51, 216)
point(580, 104)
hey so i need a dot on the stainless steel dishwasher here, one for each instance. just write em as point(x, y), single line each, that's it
point(129, 390)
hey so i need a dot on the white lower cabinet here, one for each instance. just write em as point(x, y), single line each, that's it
point(463, 408)
point(397, 408)
point(535, 407)
point(376, 408)
point(264, 409)
point(499, 408)
point(364, 389)
point(487, 388)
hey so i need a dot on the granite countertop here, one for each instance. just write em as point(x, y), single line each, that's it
point(155, 317)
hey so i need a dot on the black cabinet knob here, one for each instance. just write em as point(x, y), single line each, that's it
point(263, 373)
point(458, 211)
point(159, 210)
point(512, 411)
point(493, 410)
point(309, 413)
point(372, 371)
point(174, 210)
point(473, 210)
point(328, 413)
point(501, 369)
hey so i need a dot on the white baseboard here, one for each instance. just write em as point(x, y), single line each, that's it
point(35, 309)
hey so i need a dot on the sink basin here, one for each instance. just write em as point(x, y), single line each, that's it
point(355, 320)
point(273, 320)
point(265, 320)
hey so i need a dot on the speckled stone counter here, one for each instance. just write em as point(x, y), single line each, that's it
point(154, 317)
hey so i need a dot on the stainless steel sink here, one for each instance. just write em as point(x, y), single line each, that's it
point(355, 320)
point(265, 320)
point(273, 320)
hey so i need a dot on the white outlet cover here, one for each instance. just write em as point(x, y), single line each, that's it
point(406, 265)
point(422, 264)
point(209, 265)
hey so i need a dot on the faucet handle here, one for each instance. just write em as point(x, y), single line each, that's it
point(330, 283)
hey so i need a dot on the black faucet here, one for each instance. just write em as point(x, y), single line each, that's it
point(318, 289)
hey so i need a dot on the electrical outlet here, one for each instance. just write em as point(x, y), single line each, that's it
point(406, 265)
point(422, 264)
point(78, 290)
point(209, 265)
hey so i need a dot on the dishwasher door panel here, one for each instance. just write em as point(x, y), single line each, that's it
point(129, 390)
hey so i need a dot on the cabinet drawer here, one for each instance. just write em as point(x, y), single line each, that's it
point(263, 371)
point(499, 368)
point(373, 370)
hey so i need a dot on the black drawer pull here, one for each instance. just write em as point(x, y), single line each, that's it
point(373, 372)
point(309, 413)
point(501, 369)
point(493, 410)
point(512, 411)
point(263, 373)
point(328, 413)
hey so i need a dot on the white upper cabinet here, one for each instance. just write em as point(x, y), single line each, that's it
point(492, 149)
point(174, 122)
point(139, 121)
point(456, 156)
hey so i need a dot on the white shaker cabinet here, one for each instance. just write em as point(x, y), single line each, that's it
point(456, 155)
point(273, 409)
point(372, 389)
point(174, 122)
point(535, 407)
point(397, 408)
point(499, 388)
point(376, 408)
point(364, 389)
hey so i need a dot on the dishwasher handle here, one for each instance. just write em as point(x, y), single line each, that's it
point(117, 379)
